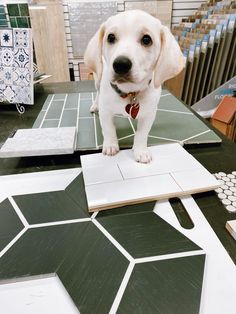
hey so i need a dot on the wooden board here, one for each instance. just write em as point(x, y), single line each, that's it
point(50, 39)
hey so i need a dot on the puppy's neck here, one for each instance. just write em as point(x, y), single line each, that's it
point(123, 94)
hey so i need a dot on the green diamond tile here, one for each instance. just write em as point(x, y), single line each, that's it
point(158, 239)
point(123, 127)
point(170, 286)
point(10, 224)
point(171, 103)
point(48, 207)
point(83, 258)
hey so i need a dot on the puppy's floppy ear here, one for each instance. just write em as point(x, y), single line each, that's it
point(171, 60)
point(93, 54)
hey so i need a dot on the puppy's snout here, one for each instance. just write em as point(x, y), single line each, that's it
point(122, 65)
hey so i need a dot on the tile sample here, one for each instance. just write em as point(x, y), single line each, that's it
point(3, 19)
point(16, 66)
point(38, 142)
point(174, 122)
point(231, 227)
point(169, 291)
point(92, 259)
point(164, 177)
point(10, 224)
point(159, 238)
point(48, 207)
point(19, 15)
point(85, 21)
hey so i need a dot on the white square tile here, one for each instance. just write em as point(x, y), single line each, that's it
point(98, 174)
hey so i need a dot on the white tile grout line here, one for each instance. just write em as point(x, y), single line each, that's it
point(165, 95)
point(62, 111)
point(196, 135)
point(18, 212)
point(9, 245)
point(175, 111)
point(122, 288)
point(77, 120)
point(164, 138)
point(131, 125)
point(124, 137)
point(168, 256)
point(46, 111)
point(113, 240)
point(57, 223)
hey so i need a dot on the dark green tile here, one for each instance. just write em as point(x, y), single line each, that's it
point(13, 22)
point(89, 266)
point(55, 109)
point(126, 142)
point(172, 286)
point(156, 141)
point(10, 224)
point(98, 130)
point(50, 124)
point(76, 191)
point(13, 10)
point(123, 127)
point(176, 126)
point(86, 134)
point(209, 137)
point(158, 238)
point(72, 101)
point(48, 207)
point(2, 16)
point(22, 22)
point(3, 23)
point(172, 103)
point(69, 118)
point(24, 11)
point(2, 9)
point(84, 108)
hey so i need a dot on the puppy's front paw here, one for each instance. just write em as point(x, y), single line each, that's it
point(94, 107)
point(110, 149)
point(142, 155)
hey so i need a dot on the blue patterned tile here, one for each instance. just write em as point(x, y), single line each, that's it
point(23, 94)
point(6, 37)
point(21, 38)
point(7, 76)
point(22, 77)
point(8, 94)
point(6, 56)
point(22, 58)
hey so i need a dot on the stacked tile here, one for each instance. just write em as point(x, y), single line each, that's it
point(19, 15)
point(207, 40)
point(3, 19)
point(16, 65)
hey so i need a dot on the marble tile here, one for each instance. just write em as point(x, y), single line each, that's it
point(38, 142)
point(174, 286)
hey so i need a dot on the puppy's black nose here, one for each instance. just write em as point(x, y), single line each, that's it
point(122, 65)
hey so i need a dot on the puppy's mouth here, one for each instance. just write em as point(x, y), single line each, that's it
point(122, 79)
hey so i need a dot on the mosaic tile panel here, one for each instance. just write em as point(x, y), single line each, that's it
point(19, 15)
point(16, 66)
point(85, 20)
point(3, 19)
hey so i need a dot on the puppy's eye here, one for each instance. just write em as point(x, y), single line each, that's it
point(111, 38)
point(146, 40)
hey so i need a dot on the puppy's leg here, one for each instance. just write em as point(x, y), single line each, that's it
point(110, 142)
point(141, 152)
point(94, 107)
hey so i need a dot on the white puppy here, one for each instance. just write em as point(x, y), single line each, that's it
point(131, 55)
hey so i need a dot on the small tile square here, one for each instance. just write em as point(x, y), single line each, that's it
point(6, 38)
point(22, 22)
point(13, 10)
point(13, 22)
point(24, 10)
point(22, 38)
point(6, 57)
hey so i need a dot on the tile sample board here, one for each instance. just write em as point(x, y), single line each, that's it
point(48, 29)
point(16, 66)
point(85, 20)
point(174, 122)
point(19, 15)
point(119, 180)
point(128, 257)
point(39, 142)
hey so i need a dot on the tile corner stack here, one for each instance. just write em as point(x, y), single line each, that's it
point(207, 40)
point(173, 172)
